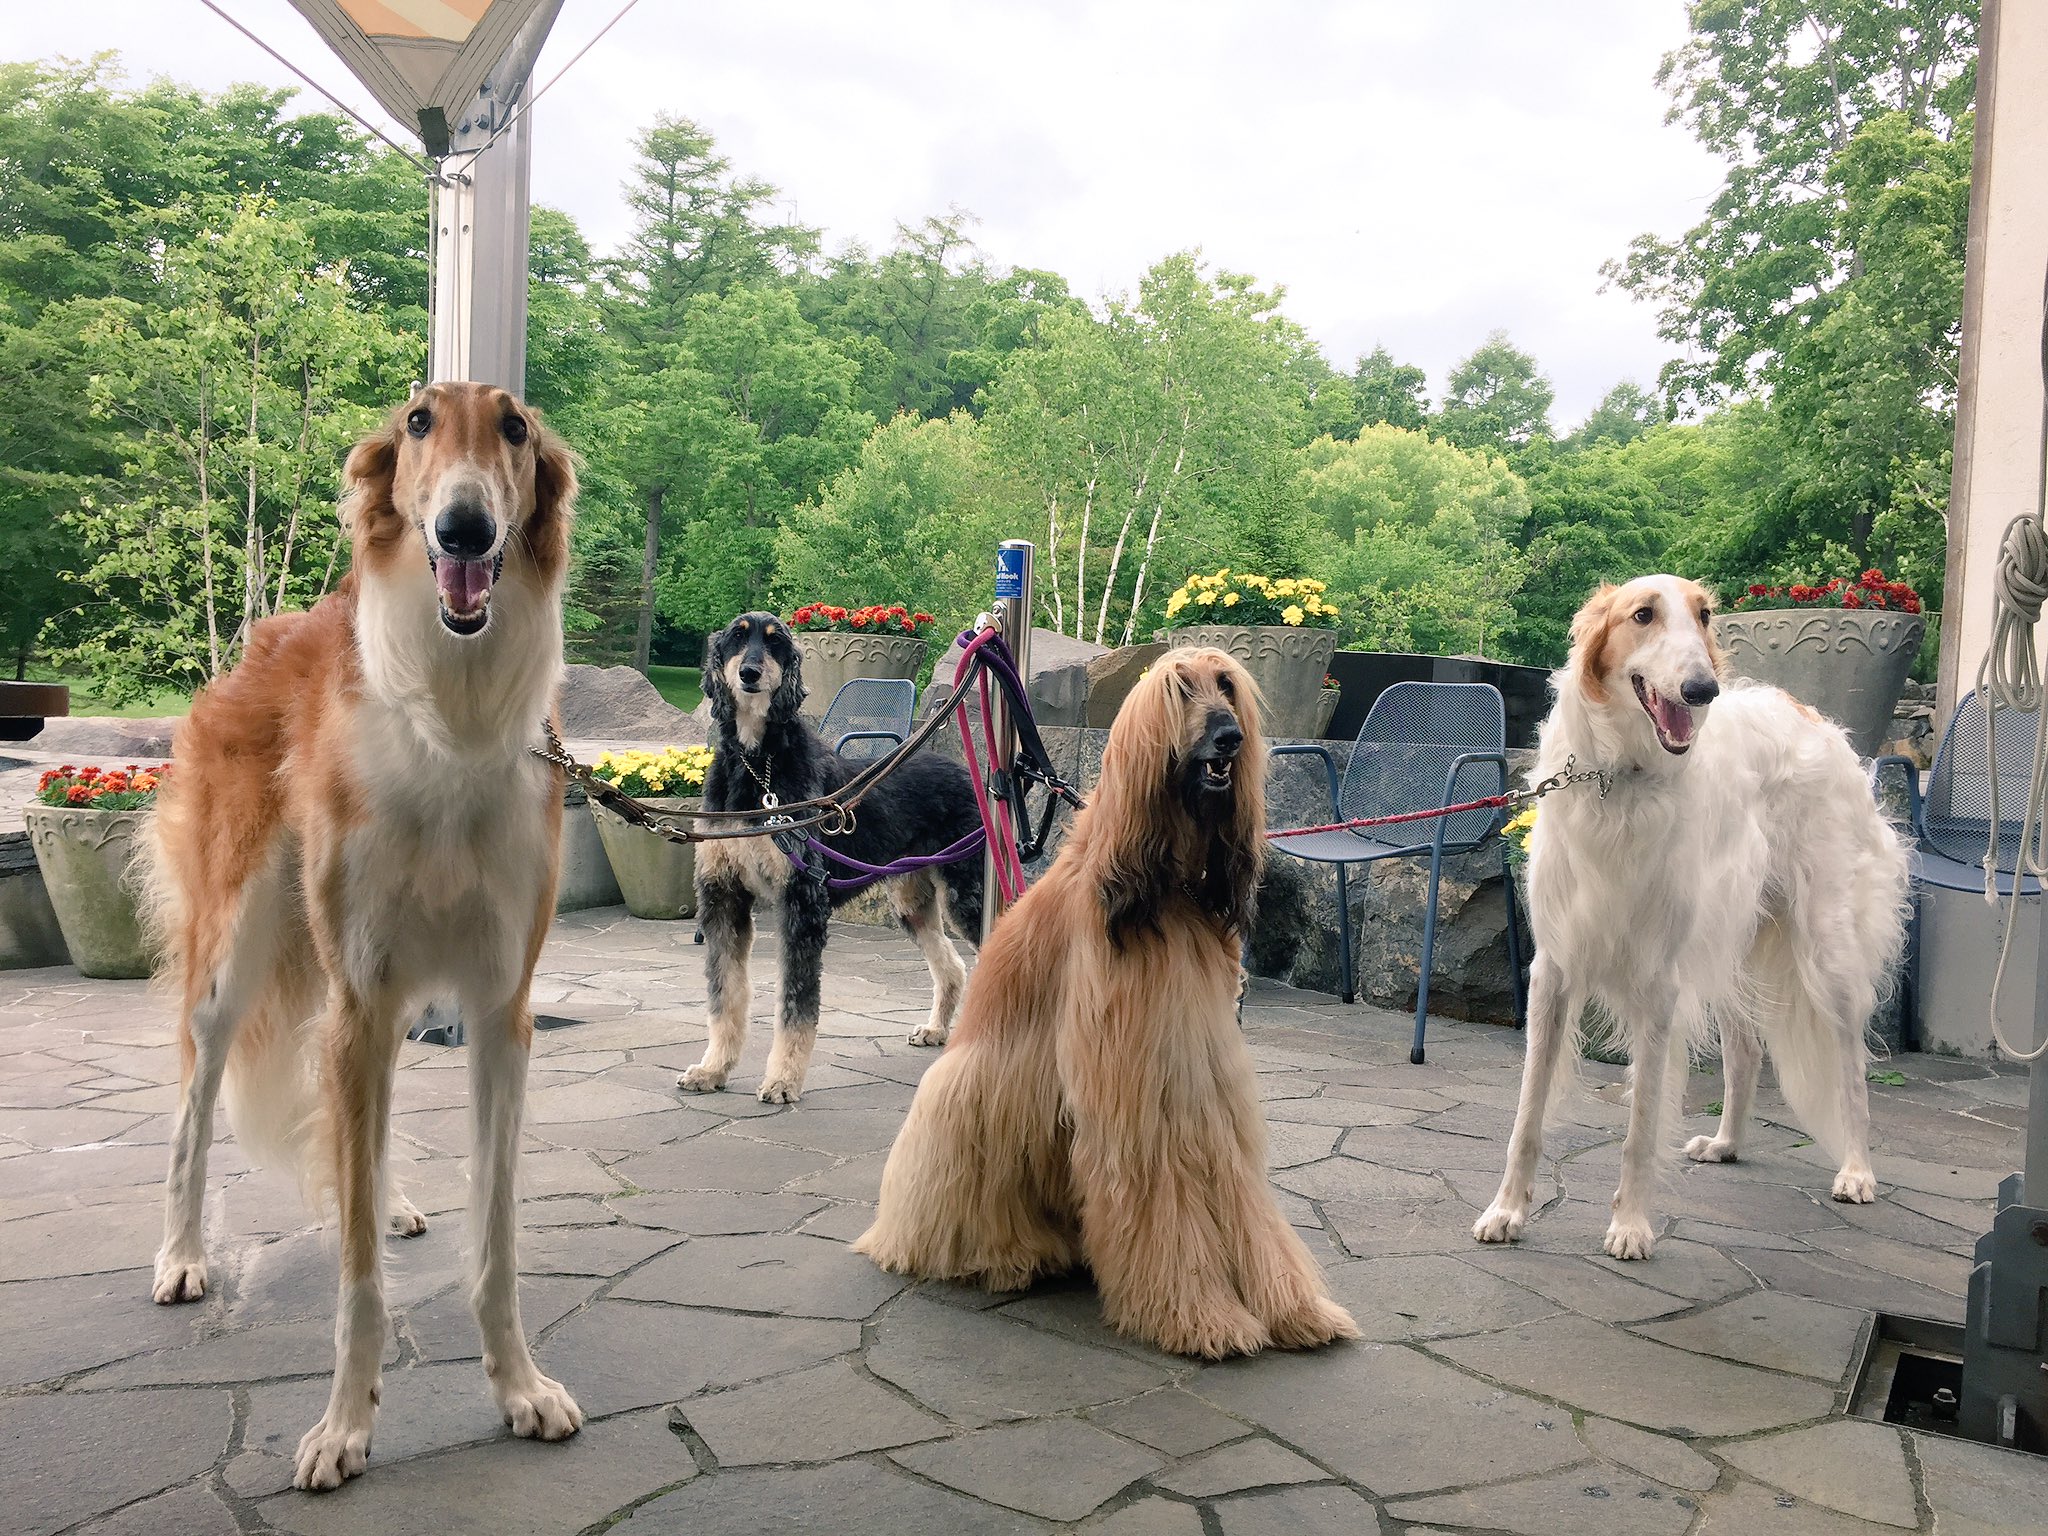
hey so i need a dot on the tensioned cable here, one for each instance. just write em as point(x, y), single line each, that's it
point(526, 106)
point(367, 125)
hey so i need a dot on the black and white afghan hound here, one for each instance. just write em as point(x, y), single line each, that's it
point(753, 678)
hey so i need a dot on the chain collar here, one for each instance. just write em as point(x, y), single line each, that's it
point(768, 800)
point(1564, 778)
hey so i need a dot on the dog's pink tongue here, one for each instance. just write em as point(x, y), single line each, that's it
point(463, 583)
point(1674, 720)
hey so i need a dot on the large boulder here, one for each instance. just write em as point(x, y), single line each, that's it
point(86, 738)
point(620, 704)
point(1112, 676)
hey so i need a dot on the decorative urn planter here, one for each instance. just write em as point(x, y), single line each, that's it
point(1326, 710)
point(657, 878)
point(85, 856)
point(1287, 663)
point(1850, 664)
point(833, 658)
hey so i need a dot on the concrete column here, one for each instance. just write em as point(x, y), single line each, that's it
point(1999, 449)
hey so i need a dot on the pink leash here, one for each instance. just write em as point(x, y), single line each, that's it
point(995, 818)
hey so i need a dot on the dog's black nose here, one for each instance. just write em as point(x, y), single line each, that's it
point(465, 531)
point(1226, 739)
point(1700, 690)
point(750, 677)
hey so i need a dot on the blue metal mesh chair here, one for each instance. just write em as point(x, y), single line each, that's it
point(871, 713)
point(1423, 745)
point(1951, 822)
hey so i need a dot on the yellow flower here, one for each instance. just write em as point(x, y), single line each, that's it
point(1314, 605)
point(1291, 614)
point(1285, 588)
point(1230, 599)
point(1206, 599)
point(1175, 603)
point(1331, 612)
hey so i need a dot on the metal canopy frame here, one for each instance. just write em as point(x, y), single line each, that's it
point(458, 71)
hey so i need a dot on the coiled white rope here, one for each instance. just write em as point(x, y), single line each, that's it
point(2009, 677)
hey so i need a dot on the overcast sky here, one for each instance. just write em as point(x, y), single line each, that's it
point(1412, 173)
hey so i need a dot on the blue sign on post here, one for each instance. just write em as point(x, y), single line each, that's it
point(1010, 573)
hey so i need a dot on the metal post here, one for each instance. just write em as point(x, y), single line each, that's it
point(482, 220)
point(1012, 612)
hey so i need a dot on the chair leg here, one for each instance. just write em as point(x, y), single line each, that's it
point(1909, 979)
point(1436, 864)
point(1348, 988)
point(1507, 881)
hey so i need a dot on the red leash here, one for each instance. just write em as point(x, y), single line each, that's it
point(1490, 803)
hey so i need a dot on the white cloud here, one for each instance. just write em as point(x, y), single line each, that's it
point(1412, 174)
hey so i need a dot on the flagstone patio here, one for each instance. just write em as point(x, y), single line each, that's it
point(687, 1277)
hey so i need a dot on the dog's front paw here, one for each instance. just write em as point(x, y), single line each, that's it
point(331, 1452)
point(1710, 1149)
point(1855, 1186)
point(1501, 1223)
point(178, 1279)
point(701, 1079)
point(1216, 1335)
point(406, 1219)
point(539, 1409)
point(929, 1034)
point(1629, 1238)
point(781, 1089)
point(1321, 1322)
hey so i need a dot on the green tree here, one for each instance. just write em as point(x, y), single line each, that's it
point(751, 418)
point(930, 321)
point(1777, 89)
point(1496, 399)
point(1390, 392)
point(915, 519)
point(1414, 536)
point(1624, 414)
point(697, 229)
point(1155, 440)
point(237, 396)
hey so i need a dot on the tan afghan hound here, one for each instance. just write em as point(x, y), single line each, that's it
point(1097, 1102)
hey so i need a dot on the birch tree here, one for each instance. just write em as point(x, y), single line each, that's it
point(235, 402)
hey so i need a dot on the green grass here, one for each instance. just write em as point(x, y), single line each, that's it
point(1888, 1079)
point(85, 702)
point(679, 685)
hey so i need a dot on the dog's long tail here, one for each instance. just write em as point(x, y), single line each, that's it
point(244, 967)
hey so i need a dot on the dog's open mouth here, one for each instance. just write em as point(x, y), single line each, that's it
point(465, 588)
point(1216, 773)
point(1672, 720)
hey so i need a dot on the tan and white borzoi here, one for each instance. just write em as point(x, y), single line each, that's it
point(1736, 874)
point(355, 825)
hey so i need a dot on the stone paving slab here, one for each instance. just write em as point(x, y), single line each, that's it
point(686, 1274)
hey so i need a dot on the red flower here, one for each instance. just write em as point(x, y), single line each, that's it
point(923, 618)
point(1872, 578)
point(1755, 591)
point(1852, 599)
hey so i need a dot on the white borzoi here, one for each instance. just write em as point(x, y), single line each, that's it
point(1735, 874)
point(356, 825)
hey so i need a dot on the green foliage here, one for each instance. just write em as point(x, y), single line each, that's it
point(1155, 441)
point(1496, 399)
point(1415, 537)
point(1386, 391)
point(1624, 414)
point(914, 519)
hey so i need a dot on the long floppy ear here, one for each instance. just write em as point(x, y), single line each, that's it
point(1716, 657)
point(716, 693)
point(554, 500)
point(1244, 835)
point(790, 693)
point(1591, 626)
point(1134, 813)
point(367, 512)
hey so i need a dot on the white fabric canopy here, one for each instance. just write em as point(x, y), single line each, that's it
point(420, 56)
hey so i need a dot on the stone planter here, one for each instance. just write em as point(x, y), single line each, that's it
point(1288, 664)
point(833, 658)
point(1849, 664)
point(85, 856)
point(657, 878)
point(1326, 710)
